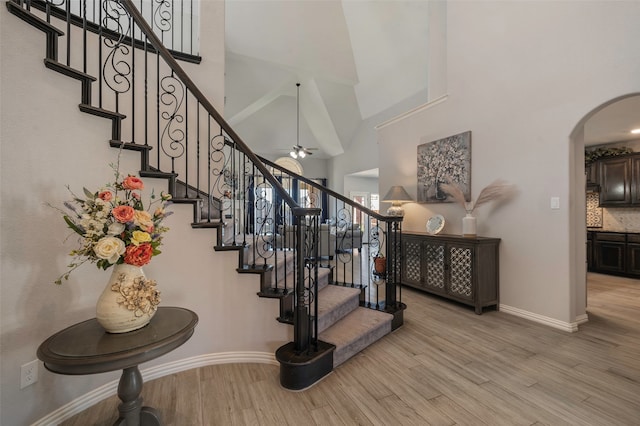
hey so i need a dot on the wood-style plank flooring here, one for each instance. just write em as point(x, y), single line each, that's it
point(445, 366)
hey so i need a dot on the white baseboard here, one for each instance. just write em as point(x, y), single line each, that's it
point(109, 389)
point(571, 327)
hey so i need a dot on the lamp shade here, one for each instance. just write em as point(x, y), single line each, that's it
point(397, 195)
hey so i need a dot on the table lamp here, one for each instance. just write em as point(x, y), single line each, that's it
point(397, 195)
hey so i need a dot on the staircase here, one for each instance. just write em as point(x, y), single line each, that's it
point(337, 303)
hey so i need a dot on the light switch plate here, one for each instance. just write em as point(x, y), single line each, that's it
point(555, 203)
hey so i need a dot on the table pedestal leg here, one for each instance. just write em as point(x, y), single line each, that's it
point(132, 413)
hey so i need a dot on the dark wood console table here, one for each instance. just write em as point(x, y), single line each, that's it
point(464, 269)
point(85, 348)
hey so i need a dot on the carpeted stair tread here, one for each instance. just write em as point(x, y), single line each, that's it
point(334, 303)
point(356, 331)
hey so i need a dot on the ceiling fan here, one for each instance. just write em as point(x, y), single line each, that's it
point(298, 150)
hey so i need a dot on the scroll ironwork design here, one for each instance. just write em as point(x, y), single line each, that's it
point(162, 17)
point(173, 135)
point(225, 182)
point(116, 69)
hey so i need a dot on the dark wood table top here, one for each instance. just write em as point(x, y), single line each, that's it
point(86, 348)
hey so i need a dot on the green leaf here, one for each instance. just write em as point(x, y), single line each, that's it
point(89, 194)
point(73, 226)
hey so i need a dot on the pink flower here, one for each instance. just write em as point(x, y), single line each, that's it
point(138, 255)
point(135, 195)
point(105, 195)
point(123, 214)
point(132, 182)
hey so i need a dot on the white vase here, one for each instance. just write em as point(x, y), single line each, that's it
point(469, 226)
point(112, 312)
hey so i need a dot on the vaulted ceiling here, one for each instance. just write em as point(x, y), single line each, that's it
point(353, 59)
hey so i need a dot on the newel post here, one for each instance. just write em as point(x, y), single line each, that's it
point(393, 287)
point(305, 314)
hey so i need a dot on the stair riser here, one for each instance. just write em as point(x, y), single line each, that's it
point(327, 319)
point(342, 354)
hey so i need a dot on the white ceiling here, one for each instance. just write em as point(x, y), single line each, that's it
point(354, 59)
point(614, 122)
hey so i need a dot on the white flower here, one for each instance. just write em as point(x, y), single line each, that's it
point(116, 228)
point(109, 248)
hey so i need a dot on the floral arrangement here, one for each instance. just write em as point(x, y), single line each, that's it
point(113, 224)
point(496, 190)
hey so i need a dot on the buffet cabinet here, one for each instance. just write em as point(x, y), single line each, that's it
point(464, 269)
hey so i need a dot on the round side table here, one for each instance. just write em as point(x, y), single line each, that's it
point(86, 348)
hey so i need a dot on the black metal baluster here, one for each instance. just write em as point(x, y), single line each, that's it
point(146, 92)
point(173, 27)
point(233, 154)
point(132, 26)
point(245, 205)
point(186, 142)
point(84, 36)
point(198, 155)
point(255, 215)
point(100, 84)
point(158, 108)
point(209, 167)
point(68, 12)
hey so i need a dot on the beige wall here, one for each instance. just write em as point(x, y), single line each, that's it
point(47, 143)
point(520, 76)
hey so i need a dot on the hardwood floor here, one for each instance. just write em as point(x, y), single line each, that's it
point(445, 366)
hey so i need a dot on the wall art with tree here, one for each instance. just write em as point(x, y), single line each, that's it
point(441, 161)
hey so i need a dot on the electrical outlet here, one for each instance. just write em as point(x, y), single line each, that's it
point(28, 374)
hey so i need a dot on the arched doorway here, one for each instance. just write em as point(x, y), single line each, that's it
point(606, 123)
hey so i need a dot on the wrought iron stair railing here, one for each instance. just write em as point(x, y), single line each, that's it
point(175, 22)
point(271, 217)
point(361, 246)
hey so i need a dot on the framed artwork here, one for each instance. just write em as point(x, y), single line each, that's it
point(442, 160)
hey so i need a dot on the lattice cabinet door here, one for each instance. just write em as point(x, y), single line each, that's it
point(412, 264)
point(434, 268)
point(461, 275)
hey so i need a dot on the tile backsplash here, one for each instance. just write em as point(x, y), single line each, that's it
point(594, 213)
point(621, 219)
point(611, 219)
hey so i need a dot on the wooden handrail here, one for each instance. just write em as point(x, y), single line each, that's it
point(332, 193)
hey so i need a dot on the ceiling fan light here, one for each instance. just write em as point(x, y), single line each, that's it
point(293, 154)
point(302, 154)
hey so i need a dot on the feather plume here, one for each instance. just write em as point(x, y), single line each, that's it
point(495, 191)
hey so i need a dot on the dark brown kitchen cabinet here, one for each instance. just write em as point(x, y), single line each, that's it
point(610, 251)
point(633, 254)
point(615, 181)
point(619, 181)
point(616, 253)
point(590, 251)
point(635, 180)
point(458, 268)
point(591, 170)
